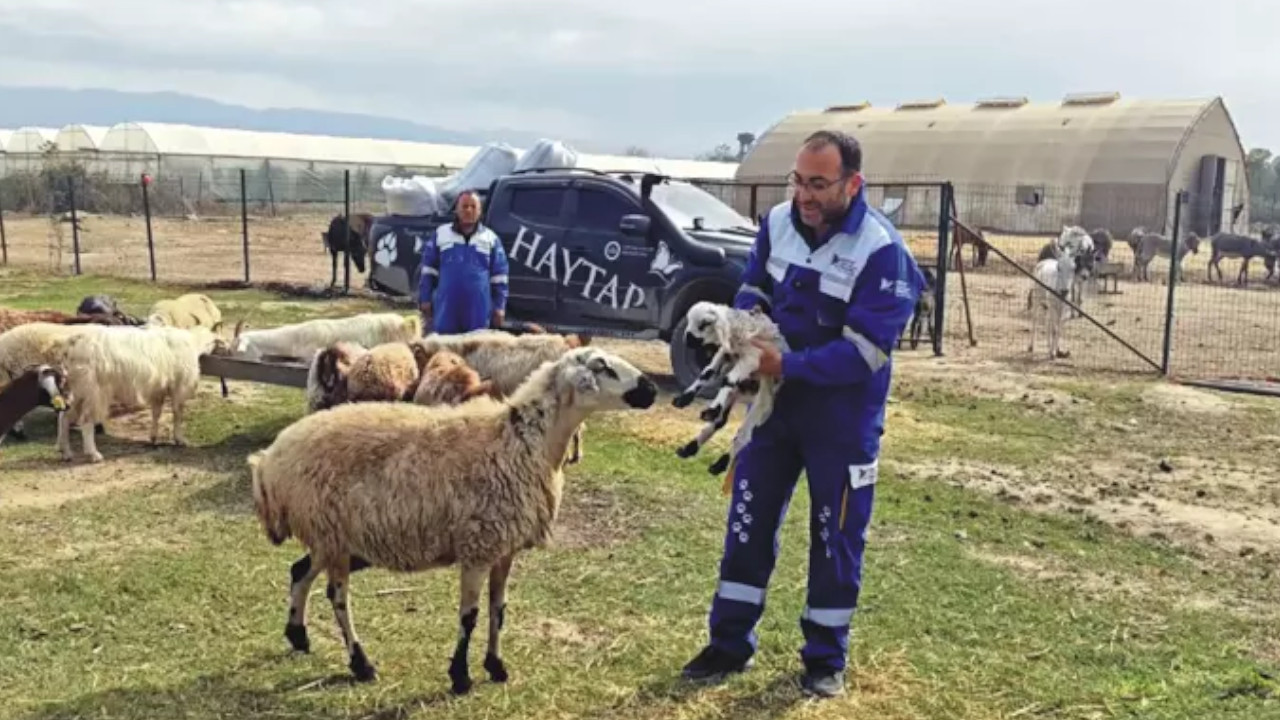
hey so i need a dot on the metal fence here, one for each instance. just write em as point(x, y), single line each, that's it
point(1133, 317)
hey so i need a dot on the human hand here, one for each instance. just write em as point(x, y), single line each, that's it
point(425, 308)
point(498, 317)
point(770, 359)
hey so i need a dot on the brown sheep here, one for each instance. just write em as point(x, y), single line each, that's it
point(448, 380)
point(410, 488)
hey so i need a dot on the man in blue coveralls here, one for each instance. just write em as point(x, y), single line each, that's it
point(836, 277)
point(463, 285)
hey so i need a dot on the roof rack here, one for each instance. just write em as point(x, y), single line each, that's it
point(848, 108)
point(1102, 98)
point(922, 104)
point(556, 169)
point(1002, 102)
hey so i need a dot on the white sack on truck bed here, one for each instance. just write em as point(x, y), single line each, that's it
point(548, 154)
point(490, 162)
point(413, 197)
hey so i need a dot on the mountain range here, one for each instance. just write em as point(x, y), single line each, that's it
point(56, 107)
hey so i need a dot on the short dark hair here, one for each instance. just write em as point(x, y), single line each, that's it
point(850, 150)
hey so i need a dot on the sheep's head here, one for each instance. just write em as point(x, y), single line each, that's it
point(327, 377)
point(601, 380)
point(1193, 242)
point(706, 324)
point(52, 381)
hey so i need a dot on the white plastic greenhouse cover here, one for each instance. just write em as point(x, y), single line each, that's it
point(29, 139)
point(4, 138)
point(73, 138)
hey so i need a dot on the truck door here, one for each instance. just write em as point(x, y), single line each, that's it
point(529, 215)
point(607, 276)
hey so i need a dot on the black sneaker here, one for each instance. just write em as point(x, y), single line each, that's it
point(822, 683)
point(714, 664)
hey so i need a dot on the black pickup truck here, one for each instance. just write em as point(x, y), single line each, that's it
point(597, 253)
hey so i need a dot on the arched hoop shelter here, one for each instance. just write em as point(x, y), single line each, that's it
point(24, 147)
point(1096, 159)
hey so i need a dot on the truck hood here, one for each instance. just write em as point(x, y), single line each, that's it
point(735, 244)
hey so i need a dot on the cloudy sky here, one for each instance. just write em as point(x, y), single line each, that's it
point(674, 77)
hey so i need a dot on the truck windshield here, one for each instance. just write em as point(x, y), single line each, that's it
point(683, 202)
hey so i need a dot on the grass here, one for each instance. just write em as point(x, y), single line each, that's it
point(162, 598)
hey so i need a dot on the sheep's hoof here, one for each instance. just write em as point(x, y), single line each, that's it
point(688, 450)
point(18, 435)
point(460, 678)
point(711, 414)
point(297, 636)
point(496, 669)
point(683, 399)
point(180, 442)
point(360, 666)
point(96, 457)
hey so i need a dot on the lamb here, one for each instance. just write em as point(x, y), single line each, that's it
point(39, 385)
point(411, 488)
point(1147, 245)
point(1230, 245)
point(732, 331)
point(33, 344)
point(448, 380)
point(923, 312)
point(11, 318)
point(1057, 274)
point(327, 375)
point(302, 340)
point(131, 366)
point(186, 311)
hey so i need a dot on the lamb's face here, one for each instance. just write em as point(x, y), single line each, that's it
point(703, 324)
point(53, 388)
point(602, 380)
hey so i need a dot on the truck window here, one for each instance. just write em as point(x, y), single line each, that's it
point(599, 210)
point(538, 204)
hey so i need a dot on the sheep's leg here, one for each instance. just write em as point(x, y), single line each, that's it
point(710, 371)
point(1035, 318)
point(468, 612)
point(497, 614)
point(708, 430)
point(64, 435)
point(738, 376)
point(302, 574)
point(90, 445)
point(179, 438)
point(18, 431)
point(156, 409)
point(339, 583)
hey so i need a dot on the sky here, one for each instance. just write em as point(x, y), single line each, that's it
point(676, 78)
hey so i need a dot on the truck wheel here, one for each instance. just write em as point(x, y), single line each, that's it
point(686, 362)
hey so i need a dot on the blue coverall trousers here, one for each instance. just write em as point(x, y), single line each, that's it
point(841, 478)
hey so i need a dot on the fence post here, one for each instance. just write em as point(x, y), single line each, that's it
point(146, 213)
point(1174, 265)
point(75, 221)
point(244, 224)
point(940, 294)
point(4, 241)
point(346, 224)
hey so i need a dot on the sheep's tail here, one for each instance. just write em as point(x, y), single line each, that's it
point(269, 513)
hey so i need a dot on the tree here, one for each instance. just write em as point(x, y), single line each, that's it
point(637, 151)
point(722, 153)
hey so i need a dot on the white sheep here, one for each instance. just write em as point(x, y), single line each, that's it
point(410, 488)
point(186, 311)
point(1057, 274)
point(131, 366)
point(731, 331)
point(302, 340)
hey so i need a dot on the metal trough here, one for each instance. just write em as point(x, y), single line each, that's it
point(290, 374)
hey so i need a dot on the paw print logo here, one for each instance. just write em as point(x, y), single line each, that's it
point(386, 252)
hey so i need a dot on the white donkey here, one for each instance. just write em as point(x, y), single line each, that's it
point(1058, 273)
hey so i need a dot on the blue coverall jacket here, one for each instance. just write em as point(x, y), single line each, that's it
point(464, 277)
point(841, 302)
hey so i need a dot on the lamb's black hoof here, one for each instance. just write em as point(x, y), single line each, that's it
point(719, 465)
point(18, 435)
point(688, 450)
point(683, 399)
point(711, 414)
point(360, 666)
point(297, 636)
point(496, 669)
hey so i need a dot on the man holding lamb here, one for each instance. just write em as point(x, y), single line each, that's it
point(841, 284)
point(463, 284)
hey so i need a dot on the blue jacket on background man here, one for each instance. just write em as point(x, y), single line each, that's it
point(841, 302)
point(464, 277)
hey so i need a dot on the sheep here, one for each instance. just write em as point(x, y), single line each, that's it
point(134, 366)
point(923, 311)
point(346, 372)
point(327, 375)
point(448, 380)
point(33, 344)
point(732, 331)
point(355, 241)
point(410, 488)
point(39, 385)
point(1057, 274)
point(1147, 245)
point(302, 340)
point(186, 311)
point(504, 358)
point(105, 305)
point(11, 318)
point(1102, 242)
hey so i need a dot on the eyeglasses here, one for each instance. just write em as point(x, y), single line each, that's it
point(814, 184)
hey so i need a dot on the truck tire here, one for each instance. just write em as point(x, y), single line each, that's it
point(686, 362)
